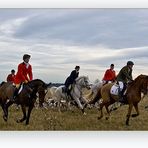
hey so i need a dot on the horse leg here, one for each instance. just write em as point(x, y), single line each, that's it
point(108, 111)
point(80, 105)
point(129, 113)
point(101, 105)
point(85, 102)
point(24, 114)
point(28, 114)
point(41, 102)
point(101, 111)
point(7, 106)
point(69, 105)
point(59, 105)
point(5, 109)
point(137, 110)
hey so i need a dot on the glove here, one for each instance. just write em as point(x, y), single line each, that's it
point(25, 81)
point(130, 81)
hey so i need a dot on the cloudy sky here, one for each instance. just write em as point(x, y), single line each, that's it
point(59, 39)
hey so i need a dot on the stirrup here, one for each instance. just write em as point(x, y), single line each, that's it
point(122, 100)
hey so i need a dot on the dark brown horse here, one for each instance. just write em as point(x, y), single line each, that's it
point(26, 98)
point(133, 96)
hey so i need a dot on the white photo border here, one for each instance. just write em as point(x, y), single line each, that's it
point(73, 139)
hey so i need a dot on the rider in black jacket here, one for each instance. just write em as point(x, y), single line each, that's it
point(71, 79)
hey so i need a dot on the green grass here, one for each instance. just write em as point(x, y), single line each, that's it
point(50, 119)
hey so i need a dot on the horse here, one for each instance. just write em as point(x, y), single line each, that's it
point(92, 94)
point(96, 93)
point(26, 97)
point(76, 92)
point(133, 96)
point(50, 93)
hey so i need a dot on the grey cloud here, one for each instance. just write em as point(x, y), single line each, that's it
point(115, 28)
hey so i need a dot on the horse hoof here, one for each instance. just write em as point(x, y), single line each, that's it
point(18, 121)
point(113, 109)
point(134, 115)
point(127, 123)
point(5, 118)
point(99, 118)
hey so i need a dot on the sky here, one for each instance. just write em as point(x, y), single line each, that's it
point(60, 39)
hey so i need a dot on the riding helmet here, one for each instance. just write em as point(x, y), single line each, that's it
point(25, 56)
point(130, 63)
point(112, 65)
point(77, 67)
point(13, 71)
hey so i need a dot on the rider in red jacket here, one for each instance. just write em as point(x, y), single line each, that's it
point(23, 75)
point(11, 77)
point(109, 75)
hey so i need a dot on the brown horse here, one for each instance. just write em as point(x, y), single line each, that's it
point(133, 96)
point(26, 98)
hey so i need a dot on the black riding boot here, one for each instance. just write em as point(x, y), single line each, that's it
point(121, 98)
point(15, 95)
point(121, 94)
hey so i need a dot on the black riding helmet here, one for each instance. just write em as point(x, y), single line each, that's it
point(130, 63)
point(12, 71)
point(77, 67)
point(25, 56)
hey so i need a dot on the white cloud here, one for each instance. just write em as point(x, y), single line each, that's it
point(9, 27)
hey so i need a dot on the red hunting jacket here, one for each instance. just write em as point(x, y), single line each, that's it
point(23, 73)
point(109, 75)
point(10, 78)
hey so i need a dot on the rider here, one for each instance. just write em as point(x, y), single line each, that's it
point(125, 76)
point(110, 75)
point(24, 74)
point(71, 79)
point(11, 77)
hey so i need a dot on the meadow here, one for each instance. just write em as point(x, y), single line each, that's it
point(50, 120)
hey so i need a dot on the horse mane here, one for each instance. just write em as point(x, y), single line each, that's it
point(78, 78)
point(140, 77)
point(35, 80)
point(39, 80)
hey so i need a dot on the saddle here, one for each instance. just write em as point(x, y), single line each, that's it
point(19, 90)
point(67, 91)
point(117, 89)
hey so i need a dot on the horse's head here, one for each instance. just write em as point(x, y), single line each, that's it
point(83, 81)
point(142, 82)
point(145, 85)
point(40, 87)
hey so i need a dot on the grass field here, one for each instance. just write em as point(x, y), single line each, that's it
point(50, 119)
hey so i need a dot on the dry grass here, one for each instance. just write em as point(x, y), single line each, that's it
point(51, 119)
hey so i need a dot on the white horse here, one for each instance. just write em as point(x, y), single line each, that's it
point(94, 89)
point(50, 93)
point(76, 92)
point(92, 93)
